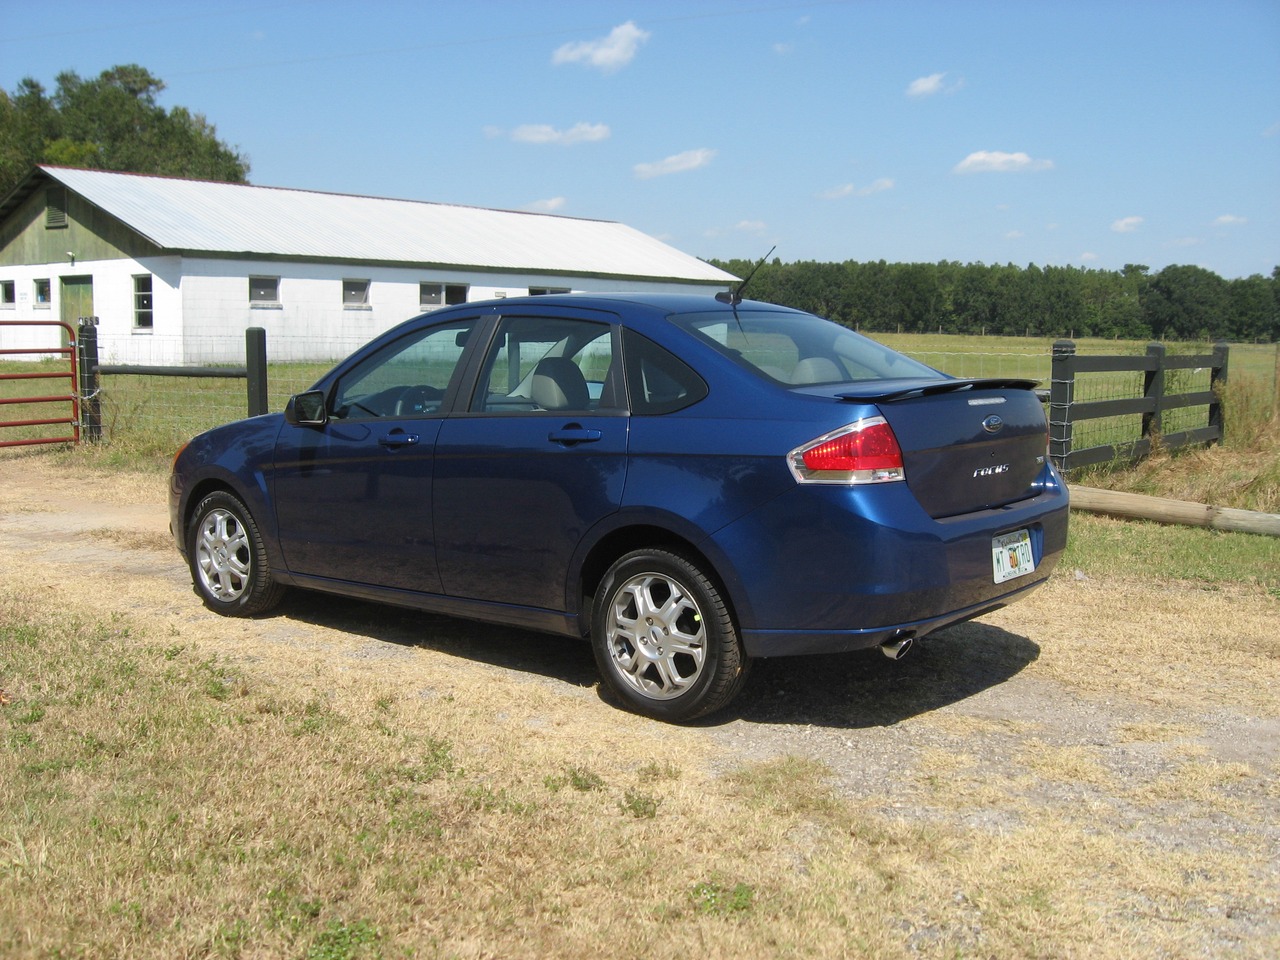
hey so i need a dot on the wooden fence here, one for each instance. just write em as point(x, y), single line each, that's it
point(254, 373)
point(1153, 403)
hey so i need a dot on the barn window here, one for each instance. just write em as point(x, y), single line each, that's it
point(355, 293)
point(8, 293)
point(43, 296)
point(264, 290)
point(546, 291)
point(434, 294)
point(143, 316)
point(55, 207)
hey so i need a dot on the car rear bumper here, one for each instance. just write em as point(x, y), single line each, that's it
point(829, 570)
point(789, 643)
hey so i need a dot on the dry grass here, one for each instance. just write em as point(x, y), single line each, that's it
point(348, 781)
point(1244, 473)
point(1167, 644)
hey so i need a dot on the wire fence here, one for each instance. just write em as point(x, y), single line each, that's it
point(163, 412)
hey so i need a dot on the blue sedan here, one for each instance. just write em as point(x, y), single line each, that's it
point(690, 482)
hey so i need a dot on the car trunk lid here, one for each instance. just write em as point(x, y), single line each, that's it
point(966, 444)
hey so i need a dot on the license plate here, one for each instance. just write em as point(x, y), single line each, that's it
point(1011, 555)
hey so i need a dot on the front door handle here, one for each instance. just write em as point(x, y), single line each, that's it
point(397, 439)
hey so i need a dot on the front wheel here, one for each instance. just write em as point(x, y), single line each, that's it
point(228, 561)
point(664, 639)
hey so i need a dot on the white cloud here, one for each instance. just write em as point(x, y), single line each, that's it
point(545, 133)
point(1127, 224)
point(750, 226)
point(931, 85)
point(1088, 256)
point(678, 163)
point(1230, 220)
point(783, 49)
point(1014, 235)
point(609, 53)
point(926, 86)
point(996, 161)
point(850, 190)
point(550, 205)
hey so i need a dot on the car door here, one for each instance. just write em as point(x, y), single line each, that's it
point(536, 460)
point(353, 496)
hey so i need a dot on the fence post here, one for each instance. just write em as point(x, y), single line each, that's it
point(1062, 390)
point(255, 362)
point(90, 401)
point(1218, 383)
point(1153, 389)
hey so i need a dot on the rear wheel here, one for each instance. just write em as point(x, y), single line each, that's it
point(664, 639)
point(228, 561)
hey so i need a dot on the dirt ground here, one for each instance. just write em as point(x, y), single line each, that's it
point(1135, 710)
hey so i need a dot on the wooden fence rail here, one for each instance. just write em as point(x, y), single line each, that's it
point(1065, 412)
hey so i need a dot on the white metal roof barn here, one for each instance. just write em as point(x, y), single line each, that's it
point(175, 270)
point(205, 216)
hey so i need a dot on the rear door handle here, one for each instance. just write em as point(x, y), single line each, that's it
point(574, 434)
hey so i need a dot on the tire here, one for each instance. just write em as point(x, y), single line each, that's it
point(664, 639)
point(228, 561)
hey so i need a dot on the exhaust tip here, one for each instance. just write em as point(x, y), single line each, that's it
point(896, 648)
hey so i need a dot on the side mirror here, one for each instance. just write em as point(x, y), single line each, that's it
point(307, 409)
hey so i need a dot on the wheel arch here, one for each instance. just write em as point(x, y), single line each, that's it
point(618, 542)
point(255, 502)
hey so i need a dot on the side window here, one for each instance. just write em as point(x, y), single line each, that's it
point(143, 313)
point(657, 380)
point(540, 364)
point(264, 290)
point(406, 378)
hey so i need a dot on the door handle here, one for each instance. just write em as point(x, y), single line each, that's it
point(574, 434)
point(394, 441)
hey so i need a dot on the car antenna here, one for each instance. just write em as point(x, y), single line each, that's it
point(734, 297)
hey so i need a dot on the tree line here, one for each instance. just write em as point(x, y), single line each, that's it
point(110, 122)
point(1175, 303)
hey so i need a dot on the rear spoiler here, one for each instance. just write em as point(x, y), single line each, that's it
point(883, 391)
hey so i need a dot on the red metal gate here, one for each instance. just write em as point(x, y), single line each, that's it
point(68, 376)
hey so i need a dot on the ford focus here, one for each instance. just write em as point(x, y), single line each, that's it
point(688, 483)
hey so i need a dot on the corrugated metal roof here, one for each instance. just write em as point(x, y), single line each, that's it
point(204, 216)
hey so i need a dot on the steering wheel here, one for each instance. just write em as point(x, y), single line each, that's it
point(417, 400)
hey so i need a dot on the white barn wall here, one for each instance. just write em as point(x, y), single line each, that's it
point(310, 321)
point(26, 310)
point(113, 305)
point(201, 306)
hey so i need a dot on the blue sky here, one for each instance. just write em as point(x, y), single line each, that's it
point(1081, 133)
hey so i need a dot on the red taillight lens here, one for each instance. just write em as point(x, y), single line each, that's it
point(863, 452)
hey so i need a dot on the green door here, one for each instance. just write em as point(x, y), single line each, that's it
point(77, 301)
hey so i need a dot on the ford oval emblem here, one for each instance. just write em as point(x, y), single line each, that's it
point(992, 424)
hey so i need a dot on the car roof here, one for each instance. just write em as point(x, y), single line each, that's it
point(667, 303)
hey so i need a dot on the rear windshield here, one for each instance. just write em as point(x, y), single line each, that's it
point(799, 348)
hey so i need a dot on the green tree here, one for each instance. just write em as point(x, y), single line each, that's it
point(111, 122)
point(1186, 303)
point(1253, 309)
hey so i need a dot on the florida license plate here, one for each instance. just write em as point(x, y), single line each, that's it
point(1011, 555)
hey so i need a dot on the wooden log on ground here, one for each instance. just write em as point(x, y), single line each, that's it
point(1135, 505)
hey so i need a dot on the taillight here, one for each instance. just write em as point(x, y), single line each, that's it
point(863, 452)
